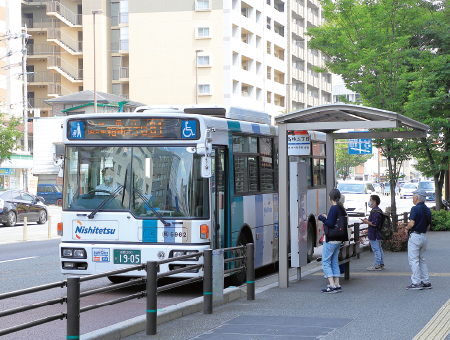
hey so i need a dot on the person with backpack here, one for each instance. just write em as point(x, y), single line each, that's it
point(419, 220)
point(331, 244)
point(374, 222)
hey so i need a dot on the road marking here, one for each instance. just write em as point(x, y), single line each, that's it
point(380, 273)
point(23, 258)
point(438, 327)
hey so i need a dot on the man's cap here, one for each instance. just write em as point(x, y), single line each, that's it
point(421, 192)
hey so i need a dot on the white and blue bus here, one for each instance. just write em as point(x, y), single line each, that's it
point(164, 182)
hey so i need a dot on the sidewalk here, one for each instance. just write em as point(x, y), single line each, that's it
point(373, 305)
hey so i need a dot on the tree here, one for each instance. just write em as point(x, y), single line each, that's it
point(9, 136)
point(429, 99)
point(369, 44)
point(344, 161)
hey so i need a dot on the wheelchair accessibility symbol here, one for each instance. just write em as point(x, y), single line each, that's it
point(189, 129)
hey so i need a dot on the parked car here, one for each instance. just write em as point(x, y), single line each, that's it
point(407, 190)
point(428, 186)
point(357, 194)
point(387, 189)
point(52, 193)
point(17, 204)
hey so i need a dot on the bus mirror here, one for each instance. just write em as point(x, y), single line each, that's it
point(206, 166)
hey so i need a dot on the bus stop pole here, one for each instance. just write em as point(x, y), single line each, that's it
point(283, 207)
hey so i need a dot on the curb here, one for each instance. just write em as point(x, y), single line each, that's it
point(170, 313)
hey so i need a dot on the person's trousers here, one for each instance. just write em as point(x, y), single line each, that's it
point(330, 259)
point(378, 251)
point(417, 245)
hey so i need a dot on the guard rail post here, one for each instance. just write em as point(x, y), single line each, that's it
point(152, 291)
point(356, 235)
point(73, 307)
point(49, 227)
point(25, 228)
point(250, 271)
point(207, 282)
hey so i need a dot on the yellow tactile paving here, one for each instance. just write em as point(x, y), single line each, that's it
point(438, 327)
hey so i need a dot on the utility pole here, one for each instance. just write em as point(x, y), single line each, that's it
point(25, 100)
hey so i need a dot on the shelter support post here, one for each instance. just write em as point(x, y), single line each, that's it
point(330, 167)
point(283, 205)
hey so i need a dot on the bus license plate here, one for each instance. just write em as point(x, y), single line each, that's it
point(122, 256)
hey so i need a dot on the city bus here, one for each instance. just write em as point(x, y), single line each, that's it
point(160, 183)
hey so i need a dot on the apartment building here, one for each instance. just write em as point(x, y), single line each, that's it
point(308, 88)
point(226, 52)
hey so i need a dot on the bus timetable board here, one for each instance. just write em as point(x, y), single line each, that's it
point(132, 128)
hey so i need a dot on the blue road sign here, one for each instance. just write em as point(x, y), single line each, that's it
point(360, 146)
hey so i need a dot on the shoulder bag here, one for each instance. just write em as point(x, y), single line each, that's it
point(339, 228)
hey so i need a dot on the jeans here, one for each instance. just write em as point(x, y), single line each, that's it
point(330, 258)
point(378, 251)
point(417, 245)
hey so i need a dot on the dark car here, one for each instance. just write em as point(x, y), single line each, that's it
point(17, 204)
point(428, 186)
point(52, 193)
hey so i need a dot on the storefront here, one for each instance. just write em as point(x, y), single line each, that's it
point(12, 171)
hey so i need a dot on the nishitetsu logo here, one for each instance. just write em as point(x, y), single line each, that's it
point(92, 231)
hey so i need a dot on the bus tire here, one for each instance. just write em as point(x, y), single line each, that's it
point(118, 279)
point(309, 243)
point(238, 279)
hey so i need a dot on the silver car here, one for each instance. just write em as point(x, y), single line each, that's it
point(357, 194)
point(407, 190)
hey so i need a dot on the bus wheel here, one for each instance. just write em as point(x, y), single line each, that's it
point(118, 279)
point(238, 279)
point(310, 243)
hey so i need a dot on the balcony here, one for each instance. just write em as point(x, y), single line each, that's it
point(120, 46)
point(34, 2)
point(71, 45)
point(38, 103)
point(54, 8)
point(124, 73)
point(56, 90)
point(40, 24)
point(123, 18)
point(42, 50)
point(43, 78)
point(115, 20)
point(65, 69)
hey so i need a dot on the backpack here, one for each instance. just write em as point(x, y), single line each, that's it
point(386, 232)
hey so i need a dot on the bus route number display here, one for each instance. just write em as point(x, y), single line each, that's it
point(132, 128)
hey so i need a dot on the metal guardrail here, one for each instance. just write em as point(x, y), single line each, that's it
point(151, 282)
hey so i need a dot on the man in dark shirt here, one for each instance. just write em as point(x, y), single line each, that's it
point(419, 220)
point(374, 223)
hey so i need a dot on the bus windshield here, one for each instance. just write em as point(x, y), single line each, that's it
point(169, 178)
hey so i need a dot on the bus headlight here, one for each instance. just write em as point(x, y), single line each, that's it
point(73, 253)
point(177, 253)
point(67, 252)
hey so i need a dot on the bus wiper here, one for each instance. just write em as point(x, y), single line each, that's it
point(105, 201)
point(154, 211)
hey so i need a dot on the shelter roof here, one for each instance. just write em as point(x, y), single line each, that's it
point(347, 113)
point(88, 96)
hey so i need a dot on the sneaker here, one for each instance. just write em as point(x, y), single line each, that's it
point(426, 285)
point(329, 290)
point(413, 286)
point(382, 266)
point(338, 289)
point(374, 267)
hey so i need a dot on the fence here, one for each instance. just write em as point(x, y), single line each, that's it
point(245, 261)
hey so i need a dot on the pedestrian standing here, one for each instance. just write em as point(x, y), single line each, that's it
point(331, 245)
point(419, 220)
point(374, 223)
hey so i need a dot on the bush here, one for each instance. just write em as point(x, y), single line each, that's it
point(440, 220)
point(398, 243)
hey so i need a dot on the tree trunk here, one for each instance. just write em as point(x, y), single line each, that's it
point(438, 183)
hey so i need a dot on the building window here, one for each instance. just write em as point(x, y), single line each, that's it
point(204, 89)
point(203, 61)
point(203, 5)
point(203, 32)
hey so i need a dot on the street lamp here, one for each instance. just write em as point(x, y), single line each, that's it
point(97, 11)
point(288, 98)
point(196, 75)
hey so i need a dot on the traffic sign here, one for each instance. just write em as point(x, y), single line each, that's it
point(360, 146)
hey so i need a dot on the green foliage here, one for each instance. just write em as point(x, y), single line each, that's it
point(344, 161)
point(398, 243)
point(440, 220)
point(9, 136)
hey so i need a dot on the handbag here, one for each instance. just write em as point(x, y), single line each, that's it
point(339, 228)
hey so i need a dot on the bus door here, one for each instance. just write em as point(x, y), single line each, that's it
point(219, 198)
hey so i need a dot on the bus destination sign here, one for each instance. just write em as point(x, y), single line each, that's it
point(133, 128)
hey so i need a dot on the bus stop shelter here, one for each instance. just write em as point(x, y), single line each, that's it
point(328, 119)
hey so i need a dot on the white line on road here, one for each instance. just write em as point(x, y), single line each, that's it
point(24, 258)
